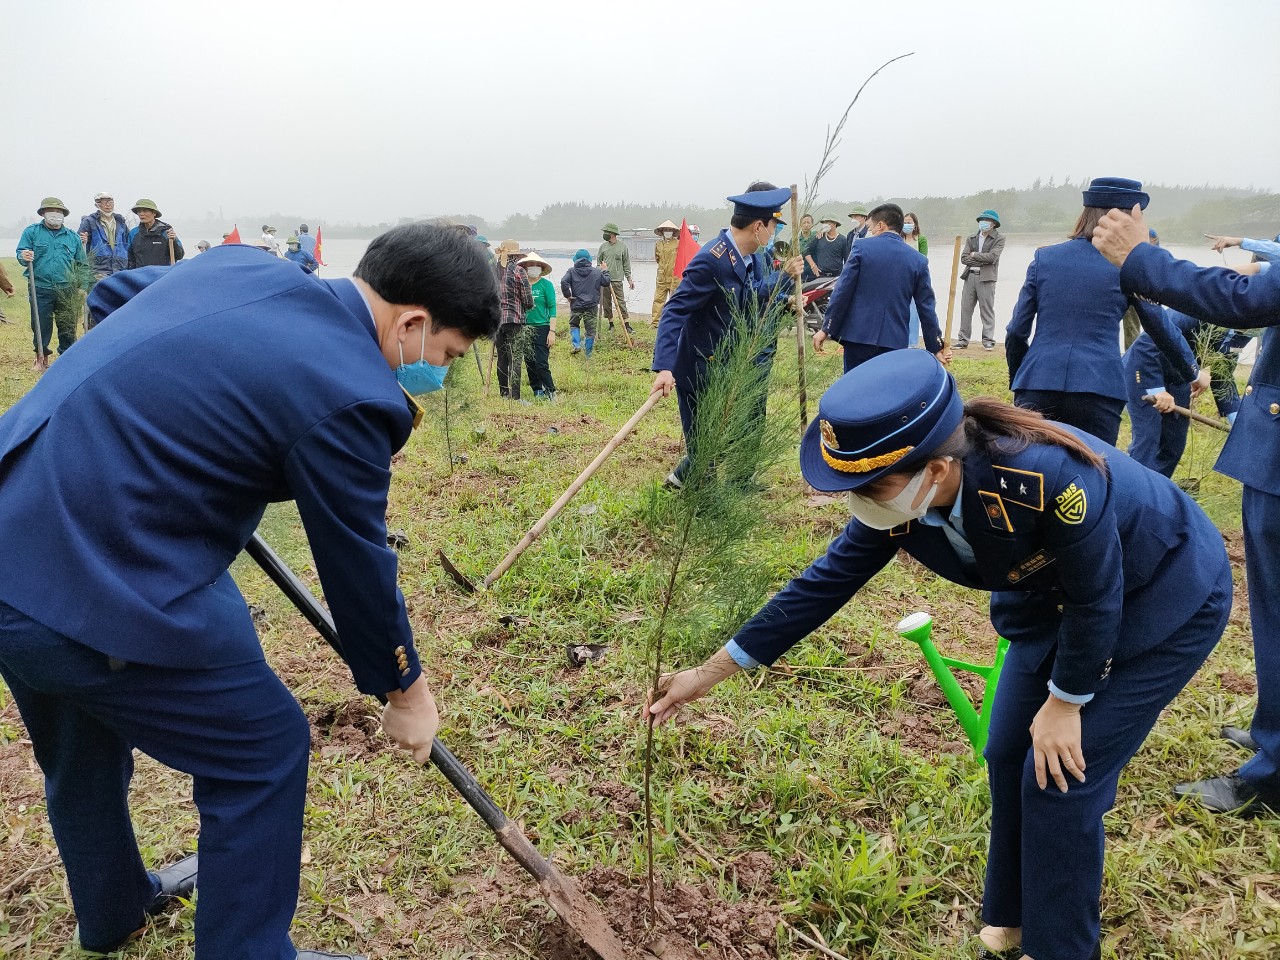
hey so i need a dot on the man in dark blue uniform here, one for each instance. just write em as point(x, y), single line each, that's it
point(722, 276)
point(1158, 434)
point(1111, 585)
point(1251, 455)
point(870, 309)
point(133, 474)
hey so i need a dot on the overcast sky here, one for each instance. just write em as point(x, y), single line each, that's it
point(378, 109)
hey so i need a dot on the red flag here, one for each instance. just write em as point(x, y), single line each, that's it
point(685, 249)
point(233, 236)
point(320, 247)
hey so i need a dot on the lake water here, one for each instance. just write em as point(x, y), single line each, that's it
point(341, 257)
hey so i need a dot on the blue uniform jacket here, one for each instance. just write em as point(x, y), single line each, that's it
point(871, 302)
point(1072, 296)
point(1228, 299)
point(697, 318)
point(1090, 567)
point(1146, 368)
point(134, 472)
point(303, 259)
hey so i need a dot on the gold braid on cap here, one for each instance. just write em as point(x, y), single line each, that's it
point(866, 464)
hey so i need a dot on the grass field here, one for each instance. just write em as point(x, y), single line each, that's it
point(835, 793)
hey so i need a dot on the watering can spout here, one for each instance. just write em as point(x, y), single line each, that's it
point(916, 627)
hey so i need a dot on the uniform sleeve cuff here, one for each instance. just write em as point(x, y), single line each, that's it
point(1062, 695)
point(743, 659)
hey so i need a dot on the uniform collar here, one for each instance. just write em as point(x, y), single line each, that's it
point(353, 298)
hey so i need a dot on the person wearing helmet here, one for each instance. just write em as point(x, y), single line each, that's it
point(153, 242)
point(269, 239)
point(48, 249)
point(615, 260)
point(1110, 583)
point(296, 254)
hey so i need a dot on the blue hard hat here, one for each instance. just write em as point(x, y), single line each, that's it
point(887, 414)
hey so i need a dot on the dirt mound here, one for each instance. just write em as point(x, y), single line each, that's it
point(349, 728)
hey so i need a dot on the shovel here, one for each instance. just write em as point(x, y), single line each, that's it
point(538, 528)
point(1192, 415)
point(562, 893)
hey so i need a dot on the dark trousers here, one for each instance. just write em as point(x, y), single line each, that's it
point(236, 730)
point(1159, 438)
point(859, 353)
point(609, 295)
point(687, 400)
point(510, 354)
point(1044, 868)
point(1089, 412)
point(585, 319)
point(537, 360)
point(54, 306)
point(1262, 566)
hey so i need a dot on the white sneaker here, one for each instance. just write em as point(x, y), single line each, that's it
point(674, 482)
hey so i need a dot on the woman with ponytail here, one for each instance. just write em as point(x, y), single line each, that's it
point(1111, 585)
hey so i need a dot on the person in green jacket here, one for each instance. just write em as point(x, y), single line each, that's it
point(540, 320)
point(615, 260)
point(49, 249)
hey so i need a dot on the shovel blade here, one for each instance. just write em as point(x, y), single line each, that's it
point(456, 575)
point(583, 917)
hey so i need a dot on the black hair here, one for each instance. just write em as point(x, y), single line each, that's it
point(424, 264)
point(890, 214)
point(740, 221)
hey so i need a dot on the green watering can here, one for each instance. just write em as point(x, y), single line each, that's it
point(918, 628)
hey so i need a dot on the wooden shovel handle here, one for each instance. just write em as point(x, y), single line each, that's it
point(537, 529)
point(1192, 415)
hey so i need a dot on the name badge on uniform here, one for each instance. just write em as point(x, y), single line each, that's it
point(1033, 564)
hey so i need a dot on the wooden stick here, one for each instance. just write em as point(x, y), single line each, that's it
point(1192, 415)
point(172, 259)
point(35, 310)
point(951, 296)
point(537, 529)
point(493, 352)
point(800, 328)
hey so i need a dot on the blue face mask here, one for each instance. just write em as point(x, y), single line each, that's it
point(421, 377)
point(984, 225)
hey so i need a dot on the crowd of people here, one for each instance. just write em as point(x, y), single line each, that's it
point(1109, 581)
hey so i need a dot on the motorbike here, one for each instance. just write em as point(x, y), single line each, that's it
point(814, 296)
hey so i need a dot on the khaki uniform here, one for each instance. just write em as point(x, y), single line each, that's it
point(665, 253)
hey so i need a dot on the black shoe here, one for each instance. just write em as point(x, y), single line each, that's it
point(1241, 738)
point(321, 955)
point(1230, 794)
point(177, 881)
point(961, 345)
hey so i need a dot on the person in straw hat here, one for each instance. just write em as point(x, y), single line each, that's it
point(664, 251)
point(516, 299)
point(540, 321)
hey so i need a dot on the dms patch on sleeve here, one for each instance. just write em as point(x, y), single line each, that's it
point(1071, 506)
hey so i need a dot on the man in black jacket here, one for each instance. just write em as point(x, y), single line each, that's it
point(150, 244)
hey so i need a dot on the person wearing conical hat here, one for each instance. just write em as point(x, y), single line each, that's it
point(48, 249)
point(149, 241)
point(664, 251)
point(515, 297)
point(540, 323)
point(614, 259)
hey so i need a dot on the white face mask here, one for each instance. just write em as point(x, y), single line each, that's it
point(533, 272)
point(887, 514)
point(53, 218)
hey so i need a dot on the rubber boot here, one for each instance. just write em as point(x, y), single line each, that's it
point(575, 335)
point(589, 345)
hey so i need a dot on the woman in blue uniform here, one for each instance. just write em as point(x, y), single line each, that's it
point(1110, 583)
point(1071, 371)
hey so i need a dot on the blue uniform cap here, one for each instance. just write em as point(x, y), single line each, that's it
point(1117, 192)
point(887, 414)
point(761, 204)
